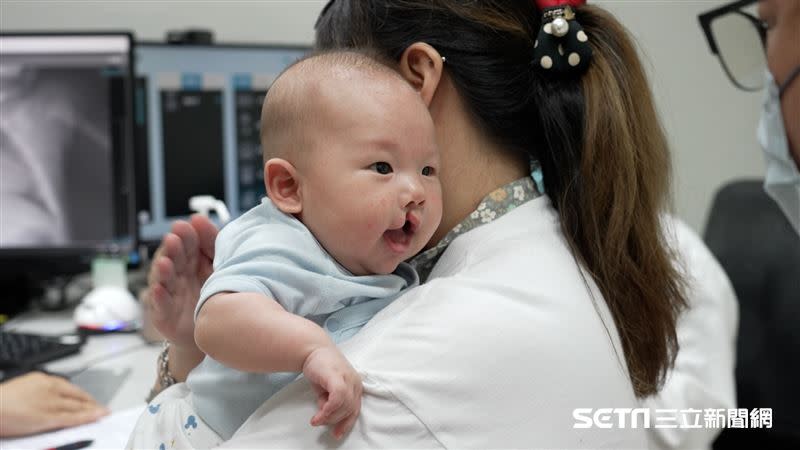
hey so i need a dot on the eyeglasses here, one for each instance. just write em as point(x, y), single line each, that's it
point(738, 38)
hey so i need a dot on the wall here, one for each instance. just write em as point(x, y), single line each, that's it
point(284, 21)
point(711, 125)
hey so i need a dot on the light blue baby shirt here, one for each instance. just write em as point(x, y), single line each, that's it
point(273, 253)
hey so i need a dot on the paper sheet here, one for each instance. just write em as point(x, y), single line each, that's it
point(110, 432)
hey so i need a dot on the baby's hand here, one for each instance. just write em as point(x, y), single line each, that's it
point(338, 388)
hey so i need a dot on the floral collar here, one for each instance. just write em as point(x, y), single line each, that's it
point(492, 207)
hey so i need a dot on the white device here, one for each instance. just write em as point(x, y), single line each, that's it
point(204, 204)
point(108, 308)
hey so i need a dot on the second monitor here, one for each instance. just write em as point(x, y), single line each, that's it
point(197, 127)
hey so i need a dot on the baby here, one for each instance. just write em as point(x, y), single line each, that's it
point(350, 169)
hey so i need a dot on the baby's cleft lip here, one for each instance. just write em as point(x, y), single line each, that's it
point(412, 223)
point(399, 239)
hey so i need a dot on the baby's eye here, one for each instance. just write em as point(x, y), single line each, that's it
point(382, 168)
point(428, 171)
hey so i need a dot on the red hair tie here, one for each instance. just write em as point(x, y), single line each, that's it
point(561, 47)
point(544, 4)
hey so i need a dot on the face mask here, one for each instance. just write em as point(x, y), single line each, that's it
point(782, 181)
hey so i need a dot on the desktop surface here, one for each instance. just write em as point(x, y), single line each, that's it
point(118, 369)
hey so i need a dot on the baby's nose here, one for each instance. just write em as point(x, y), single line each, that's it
point(414, 194)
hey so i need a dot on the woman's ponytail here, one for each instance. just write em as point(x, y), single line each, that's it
point(612, 205)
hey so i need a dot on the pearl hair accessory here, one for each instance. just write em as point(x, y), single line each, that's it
point(560, 26)
point(561, 47)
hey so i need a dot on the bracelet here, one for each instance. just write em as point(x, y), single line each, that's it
point(165, 379)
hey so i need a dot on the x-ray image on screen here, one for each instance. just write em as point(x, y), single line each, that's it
point(56, 161)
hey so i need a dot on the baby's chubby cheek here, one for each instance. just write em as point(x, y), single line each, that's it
point(373, 218)
point(370, 226)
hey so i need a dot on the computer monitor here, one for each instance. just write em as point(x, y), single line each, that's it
point(66, 133)
point(197, 126)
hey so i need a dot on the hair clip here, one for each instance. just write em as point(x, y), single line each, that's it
point(561, 46)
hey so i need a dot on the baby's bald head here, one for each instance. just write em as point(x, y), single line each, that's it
point(300, 101)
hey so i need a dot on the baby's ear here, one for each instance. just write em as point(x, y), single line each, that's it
point(283, 185)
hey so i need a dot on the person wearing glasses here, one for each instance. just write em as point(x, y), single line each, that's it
point(764, 52)
point(758, 46)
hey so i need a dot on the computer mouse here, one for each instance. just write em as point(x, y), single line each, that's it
point(108, 308)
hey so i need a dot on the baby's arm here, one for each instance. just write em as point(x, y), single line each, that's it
point(253, 333)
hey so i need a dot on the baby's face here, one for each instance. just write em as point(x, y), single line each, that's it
point(371, 191)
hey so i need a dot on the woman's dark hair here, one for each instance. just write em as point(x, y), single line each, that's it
point(602, 150)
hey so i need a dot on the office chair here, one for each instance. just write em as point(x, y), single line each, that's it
point(759, 250)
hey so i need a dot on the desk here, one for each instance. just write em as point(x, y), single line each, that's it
point(117, 369)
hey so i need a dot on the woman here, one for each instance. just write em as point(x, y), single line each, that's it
point(537, 303)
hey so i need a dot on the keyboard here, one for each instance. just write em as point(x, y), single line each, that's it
point(22, 351)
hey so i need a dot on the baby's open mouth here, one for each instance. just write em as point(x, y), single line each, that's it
point(399, 239)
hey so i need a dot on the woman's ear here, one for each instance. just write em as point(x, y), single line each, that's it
point(283, 185)
point(421, 65)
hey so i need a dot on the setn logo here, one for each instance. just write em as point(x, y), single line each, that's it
point(611, 417)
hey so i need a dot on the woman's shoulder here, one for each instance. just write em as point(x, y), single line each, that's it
point(523, 247)
point(511, 330)
point(520, 260)
point(483, 364)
